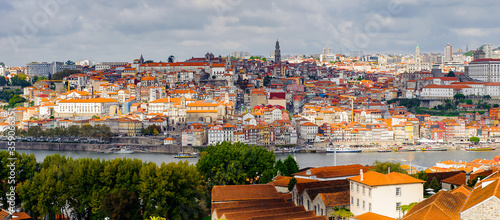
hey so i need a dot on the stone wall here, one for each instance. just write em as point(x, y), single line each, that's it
point(488, 209)
point(169, 149)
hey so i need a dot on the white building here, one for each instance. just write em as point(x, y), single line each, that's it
point(308, 131)
point(383, 194)
point(442, 91)
point(493, 89)
point(85, 107)
point(486, 70)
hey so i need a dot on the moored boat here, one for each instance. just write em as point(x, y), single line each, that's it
point(480, 148)
point(434, 148)
point(181, 155)
point(344, 150)
point(124, 151)
point(384, 150)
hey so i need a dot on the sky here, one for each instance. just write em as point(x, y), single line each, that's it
point(122, 30)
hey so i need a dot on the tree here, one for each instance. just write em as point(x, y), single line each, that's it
point(435, 185)
point(3, 81)
point(291, 166)
point(65, 73)
point(213, 77)
point(451, 74)
point(469, 102)
point(19, 80)
point(475, 140)
point(15, 100)
point(121, 205)
point(234, 164)
point(266, 80)
point(292, 183)
point(472, 183)
point(459, 96)
point(171, 59)
point(69, 62)
point(495, 106)
point(383, 167)
point(405, 208)
point(343, 213)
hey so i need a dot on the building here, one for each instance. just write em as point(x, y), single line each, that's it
point(47, 69)
point(448, 53)
point(486, 70)
point(483, 201)
point(277, 52)
point(383, 194)
point(86, 107)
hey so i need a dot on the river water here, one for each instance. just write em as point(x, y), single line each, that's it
point(420, 159)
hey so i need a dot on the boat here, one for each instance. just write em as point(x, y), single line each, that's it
point(124, 151)
point(434, 148)
point(480, 148)
point(344, 150)
point(384, 150)
point(182, 155)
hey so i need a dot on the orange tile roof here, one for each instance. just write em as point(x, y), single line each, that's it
point(483, 190)
point(93, 100)
point(280, 216)
point(459, 179)
point(247, 214)
point(373, 178)
point(372, 216)
point(248, 203)
point(243, 192)
point(442, 205)
point(335, 199)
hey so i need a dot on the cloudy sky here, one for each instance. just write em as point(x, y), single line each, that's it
point(122, 30)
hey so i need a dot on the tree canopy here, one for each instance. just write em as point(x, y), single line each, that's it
point(20, 80)
point(474, 139)
point(64, 73)
point(383, 167)
point(234, 164)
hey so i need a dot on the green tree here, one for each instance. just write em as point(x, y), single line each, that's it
point(435, 185)
point(472, 183)
point(469, 102)
point(459, 96)
point(495, 105)
point(383, 167)
point(475, 140)
point(451, 74)
point(3, 81)
point(20, 80)
point(405, 208)
point(65, 73)
point(121, 205)
point(343, 213)
point(291, 166)
point(267, 80)
point(421, 175)
point(234, 164)
point(15, 100)
point(292, 183)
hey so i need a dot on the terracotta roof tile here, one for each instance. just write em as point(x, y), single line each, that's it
point(458, 179)
point(280, 216)
point(483, 190)
point(335, 198)
point(284, 180)
point(249, 203)
point(260, 206)
point(244, 215)
point(372, 216)
point(442, 205)
point(243, 192)
point(331, 183)
point(373, 178)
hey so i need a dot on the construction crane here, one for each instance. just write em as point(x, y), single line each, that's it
point(352, 104)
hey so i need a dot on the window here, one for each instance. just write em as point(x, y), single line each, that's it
point(398, 191)
point(352, 186)
point(352, 200)
point(357, 188)
point(321, 211)
point(369, 207)
point(363, 205)
point(315, 211)
point(357, 202)
point(398, 206)
point(308, 205)
point(370, 192)
point(363, 190)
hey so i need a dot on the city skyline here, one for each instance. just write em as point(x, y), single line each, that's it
point(60, 30)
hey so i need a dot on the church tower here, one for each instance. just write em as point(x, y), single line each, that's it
point(418, 58)
point(277, 52)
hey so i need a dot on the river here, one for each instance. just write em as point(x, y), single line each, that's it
point(420, 160)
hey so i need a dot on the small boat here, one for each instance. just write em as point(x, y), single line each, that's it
point(124, 151)
point(480, 148)
point(384, 150)
point(343, 150)
point(434, 148)
point(181, 155)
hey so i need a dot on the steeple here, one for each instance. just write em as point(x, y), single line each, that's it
point(277, 52)
point(141, 60)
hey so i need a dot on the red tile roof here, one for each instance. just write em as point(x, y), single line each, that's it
point(373, 178)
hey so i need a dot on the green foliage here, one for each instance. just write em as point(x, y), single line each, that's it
point(495, 106)
point(6, 95)
point(422, 175)
point(383, 167)
point(343, 213)
point(291, 166)
point(64, 73)
point(121, 205)
point(410, 104)
point(292, 183)
point(474, 181)
point(234, 164)
point(3, 81)
point(469, 102)
point(157, 218)
point(405, 208)
point(15, 100)
point(97, 131)
point(474, 139)
point(118, 188)
point(435, 185)
point(459, 96)
point(451, 74)
point(20, 80)
point(150, 130)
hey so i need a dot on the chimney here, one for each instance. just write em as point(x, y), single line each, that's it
point(361, 174)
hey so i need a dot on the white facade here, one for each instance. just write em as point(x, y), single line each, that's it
point(385, 199)
point(96, 106)
point(493, 89)
point(308, 131)
point(486, 70)
point(435, 91)
point(215, 135)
